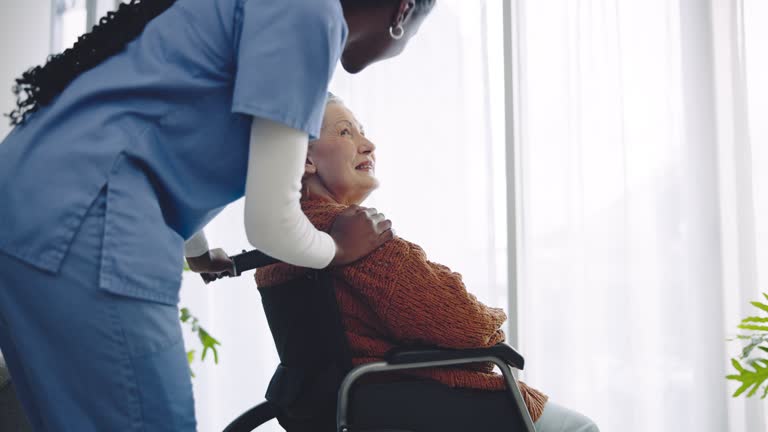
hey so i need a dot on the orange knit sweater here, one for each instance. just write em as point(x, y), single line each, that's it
point(395, 297)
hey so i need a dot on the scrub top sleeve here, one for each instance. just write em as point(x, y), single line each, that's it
point(287, 53)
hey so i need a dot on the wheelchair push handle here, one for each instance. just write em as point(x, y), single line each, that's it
point(242, 262)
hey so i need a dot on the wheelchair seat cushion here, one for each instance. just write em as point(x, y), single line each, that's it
point(426, 406)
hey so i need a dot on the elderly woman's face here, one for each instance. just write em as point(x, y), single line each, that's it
point(343, 159)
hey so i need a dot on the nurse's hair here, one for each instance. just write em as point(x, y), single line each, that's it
point(39, 85)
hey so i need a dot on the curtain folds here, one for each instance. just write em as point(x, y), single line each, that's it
point(638, 251)
point(642, 200)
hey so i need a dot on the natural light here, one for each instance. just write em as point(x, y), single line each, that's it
point(614, 203)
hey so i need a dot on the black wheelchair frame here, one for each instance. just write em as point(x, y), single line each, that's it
point(314, 381)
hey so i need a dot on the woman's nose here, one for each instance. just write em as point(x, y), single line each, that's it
point(367, 146)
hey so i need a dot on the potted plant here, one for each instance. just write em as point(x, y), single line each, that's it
point(207, 341)
point(752, 362)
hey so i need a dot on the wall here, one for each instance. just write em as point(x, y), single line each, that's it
point(24, 42)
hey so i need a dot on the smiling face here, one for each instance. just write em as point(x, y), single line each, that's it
point(342, 162)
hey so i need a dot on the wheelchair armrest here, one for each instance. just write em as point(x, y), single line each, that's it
point(501, 351)
point(501, 354)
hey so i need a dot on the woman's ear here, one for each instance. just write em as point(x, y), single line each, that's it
point(310, 167)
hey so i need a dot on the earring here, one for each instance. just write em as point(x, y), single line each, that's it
point(397, 33)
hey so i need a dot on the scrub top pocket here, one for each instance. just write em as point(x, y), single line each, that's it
point(141, 256)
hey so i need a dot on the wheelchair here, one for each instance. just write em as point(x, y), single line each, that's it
point(12, 417)
point(315, 388)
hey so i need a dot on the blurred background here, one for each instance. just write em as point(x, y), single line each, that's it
point(598, 168)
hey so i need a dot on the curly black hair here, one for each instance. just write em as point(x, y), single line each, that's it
point(39, 85)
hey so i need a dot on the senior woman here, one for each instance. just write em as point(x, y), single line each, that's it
point(395, 296)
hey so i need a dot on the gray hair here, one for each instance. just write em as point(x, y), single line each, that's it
point(332, 98)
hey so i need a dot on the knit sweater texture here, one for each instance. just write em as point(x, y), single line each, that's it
point(395, 297)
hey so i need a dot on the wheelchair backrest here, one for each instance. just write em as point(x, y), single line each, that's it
point(306, 326)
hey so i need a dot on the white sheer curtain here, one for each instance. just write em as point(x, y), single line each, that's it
point(436, 116)
point(638, 213)
point(755, 37)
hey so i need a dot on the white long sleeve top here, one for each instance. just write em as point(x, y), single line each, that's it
point(274, 222)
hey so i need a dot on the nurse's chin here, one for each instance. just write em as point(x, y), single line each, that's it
point(353, 67)
point(355, 60)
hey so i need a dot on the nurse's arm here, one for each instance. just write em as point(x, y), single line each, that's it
point(274, 222)
point(201, 259)
point(196, 245)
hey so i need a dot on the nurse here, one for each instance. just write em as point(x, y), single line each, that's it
point(124, 147)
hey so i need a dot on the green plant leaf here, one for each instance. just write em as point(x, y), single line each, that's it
point(754, 327)
point(759, 305)
point(190, 359)
point(754, 342)
point(208, 342)
point(750, 379)
point(753, 373)
point(737, 365)
point(754, 319)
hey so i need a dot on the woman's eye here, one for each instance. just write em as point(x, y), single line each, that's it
point(345, 132)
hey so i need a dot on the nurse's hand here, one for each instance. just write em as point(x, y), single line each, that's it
point(214, 261)
point(357, 232)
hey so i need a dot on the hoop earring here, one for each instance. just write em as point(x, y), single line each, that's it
point(397, 33)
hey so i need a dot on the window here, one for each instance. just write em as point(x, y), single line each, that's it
point(756, 35)
point(72, 18)
point(69, 22)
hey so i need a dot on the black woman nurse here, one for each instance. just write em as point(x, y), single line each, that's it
point(124, 147)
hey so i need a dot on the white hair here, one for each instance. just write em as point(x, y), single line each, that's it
point(332, 98)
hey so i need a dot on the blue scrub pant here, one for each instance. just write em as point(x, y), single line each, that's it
point(83, 359)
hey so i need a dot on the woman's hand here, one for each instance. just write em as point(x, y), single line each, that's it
point(357, 232)
point(214, 261)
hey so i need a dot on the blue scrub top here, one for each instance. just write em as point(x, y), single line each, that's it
point(164, 127)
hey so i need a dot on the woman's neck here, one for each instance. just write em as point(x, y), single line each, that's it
point(312, 188)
